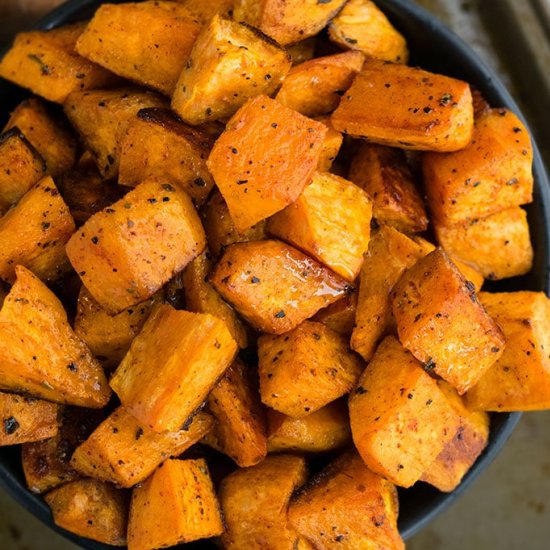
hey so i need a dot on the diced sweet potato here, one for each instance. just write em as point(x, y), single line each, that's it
point(230, 63)
point(25, 419)
point(125, 452)
point(264, 159)
point(147, 42)
point(314, 88)
point(102, 117)
point(21, 166)
point(461, 452)
point(172, 365)
point(303, 50)
point(126, 252)
point(406, 107)
point(330, 211)
point(176, 504)
point(498, 246)
point(34, 234)
point(493, 173)
point(91, 509)
point(255, 501)
point(274, 286)
point(201, 297)
point(324, 430)
point(339, 316)
point(520, 379)
point(204, 11)
point(441, 322)
point(157, 145)
point(331, 145)
point(470, 274)
point(287, 21)
point(390, 253)
point(400, 419)
point(384, 174)
point(348, 506)
point(305, 369)
point(41, 355)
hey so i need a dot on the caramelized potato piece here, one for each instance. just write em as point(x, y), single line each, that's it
point(172, 365)
point(305, 369)
point(441, 322)
point(274, 286)
point(255, 501)
point(384, 174)
point(314, 88)
point(230, 64)
point(331, 146)
point(158, 146)
point(340, 315)
point(182, 493)
point(126, 252)
point(520, 379)
point(205, 11)
point(264, 159)
point(406, 107)
point(102, 117)
point(25, 419)
point(46, 63)
point(147, 42)
point(400, 419)
point(469, 273)
point(493, 173)
point(41, 355)
point(34, 234)
point(347, 506)
point(123, 451)
point(330, 211)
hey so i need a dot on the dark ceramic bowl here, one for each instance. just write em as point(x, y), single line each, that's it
point(434, 48)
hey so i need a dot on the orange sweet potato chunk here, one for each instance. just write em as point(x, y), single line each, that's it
point(273, 285)
point(331, 146)
point(340, 315)
point(204, 11)
point(264, 159)
point(172, 365)
point(126, 252)
point(348, 506)
point(406, 107)
point(182, 493)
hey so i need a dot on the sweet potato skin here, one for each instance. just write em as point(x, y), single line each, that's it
point(273, 285)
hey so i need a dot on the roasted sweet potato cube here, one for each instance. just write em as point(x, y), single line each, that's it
point(470, 274)
point(25, 419)
point(347, 506)
point(230, 63)
point(339, 316)
point(123, 451)
point(459, 454)
point(331, 145)
point(46, 63)
point(157, 145)
point(287, 21)
point(498, 246)
point(255, 501)
point(520, 379)
point(34, 234)
point(182, 492)
point(147, 42)
point(493, 173)
point(390, 253)
point(305, 369)
point(400, 419)
point(441, 322)
point(314, 88)
point(21, 166)
point(384, 174)
point(205, 11)
point(273, 285)
point(220, 229)
point(202, 297)
point(406, 107)
point(126, 252)
point(303, 50)
point(324, 430)
point(264, 159)
point(172, 365)
point(102, 117)
point(41, 355)
point(92, 509)
point(329, 212)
